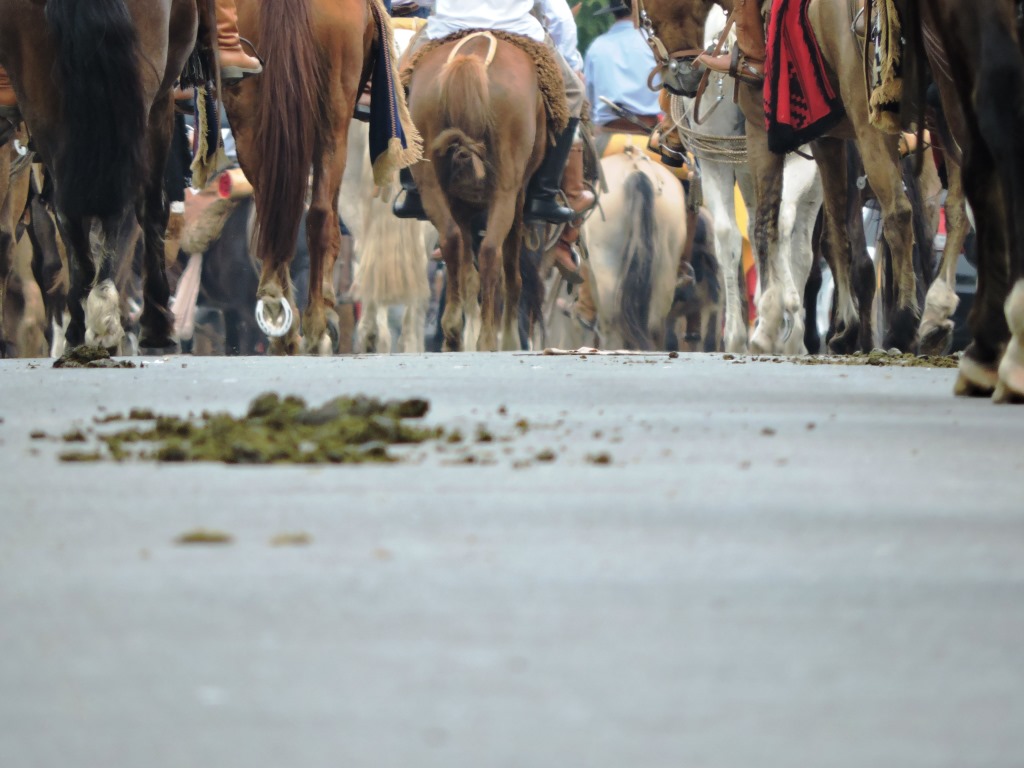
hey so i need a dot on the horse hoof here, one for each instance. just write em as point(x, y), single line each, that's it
point(903, 330)
point(844, 342)
point(158, 347)
point(975, 379)
point(936, 339)
point(274, 317)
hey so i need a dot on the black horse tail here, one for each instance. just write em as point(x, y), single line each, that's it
point(636, 277)
point(100, 162)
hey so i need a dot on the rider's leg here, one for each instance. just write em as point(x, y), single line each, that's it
point(542, 195)
point(562, 170)
point(746, 63)
point(10, 116)
point(235, 63)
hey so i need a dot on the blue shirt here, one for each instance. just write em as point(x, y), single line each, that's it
point(616, 66)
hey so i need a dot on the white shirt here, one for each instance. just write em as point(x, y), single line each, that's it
point(513, 16)
point(561, 26)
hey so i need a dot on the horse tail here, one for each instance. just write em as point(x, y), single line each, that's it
point(289, 123)
point(637, 258)
point(100, 165)
point(460, 150)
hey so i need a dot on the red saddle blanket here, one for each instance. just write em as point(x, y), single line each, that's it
point(799, 102)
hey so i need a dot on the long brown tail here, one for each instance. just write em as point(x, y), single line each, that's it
point(289, 123)
point(460, 149)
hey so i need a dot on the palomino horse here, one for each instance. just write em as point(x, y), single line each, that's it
point(679, 26)
point(635, 243)
point(94, 84)
point(976, 54)
point(292, 118)
point(484, 125)
point(391, 256)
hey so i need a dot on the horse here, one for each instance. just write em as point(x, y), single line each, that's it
point(678, 25)
point(634, 244)
point(292, 118)
point(94, 83)
point(391, 254)
point(483, 119)
point(976, 55)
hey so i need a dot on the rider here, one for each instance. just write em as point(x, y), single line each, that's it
point(235, 64)
point(515, 16)
point(616, 67)
point(746, 61)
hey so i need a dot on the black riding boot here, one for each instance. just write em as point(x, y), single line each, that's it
point(542, 194)
point(409, 205)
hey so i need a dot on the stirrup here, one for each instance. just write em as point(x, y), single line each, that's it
point(743, 69)
point(235, 75)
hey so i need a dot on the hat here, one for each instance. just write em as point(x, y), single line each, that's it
point(614, 6)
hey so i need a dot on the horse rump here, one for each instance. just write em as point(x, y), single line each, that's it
point(634, 295)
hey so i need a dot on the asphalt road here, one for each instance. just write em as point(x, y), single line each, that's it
point(781, 565)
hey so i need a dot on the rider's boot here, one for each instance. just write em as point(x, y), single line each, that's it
point(542, 194)
point(581, 199)
point(235, 63)
point(409, 205)
point(10, 115)
point(746, 61)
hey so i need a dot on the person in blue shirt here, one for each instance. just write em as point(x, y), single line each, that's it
point(616, 67)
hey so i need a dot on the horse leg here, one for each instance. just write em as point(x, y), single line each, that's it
point(157, 322)
point(830, 155)
point(513, 285)
point(801, 199)
point(453, 321)
point(323, 237)
point(719, 196)
point(936, 332)
point(880, 153)
point(413, 320)
point(767, 169)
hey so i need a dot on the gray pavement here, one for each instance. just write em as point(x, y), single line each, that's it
point(782, 565)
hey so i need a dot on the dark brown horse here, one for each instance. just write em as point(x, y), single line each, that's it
point(976, 56)
point(93, 81)
point(290, 120)
point(484, 125)
point(679, 25)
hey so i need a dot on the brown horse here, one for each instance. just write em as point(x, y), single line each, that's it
point(94, 83)
point(976, 56)
point(293, 118)
point(484, 125)
point(679, 25)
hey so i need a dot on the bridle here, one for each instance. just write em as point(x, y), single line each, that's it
point(672, 67)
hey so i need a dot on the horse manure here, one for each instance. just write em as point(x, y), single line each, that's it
point(81, 456)
point(203, 536)
point(601, 459)
point(483, 435)
point(74, 436)
point(108, 418)
point(277, 430)
point(141, 414)
point(291, 540)
point(90, 357)
point(37, 434)
point(546, 455)
point(768, 432)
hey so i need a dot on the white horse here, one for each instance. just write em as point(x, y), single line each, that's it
point(718, 144)
point(635, 241)
point(390, 253)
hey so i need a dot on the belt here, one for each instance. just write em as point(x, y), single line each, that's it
point(622, 125)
